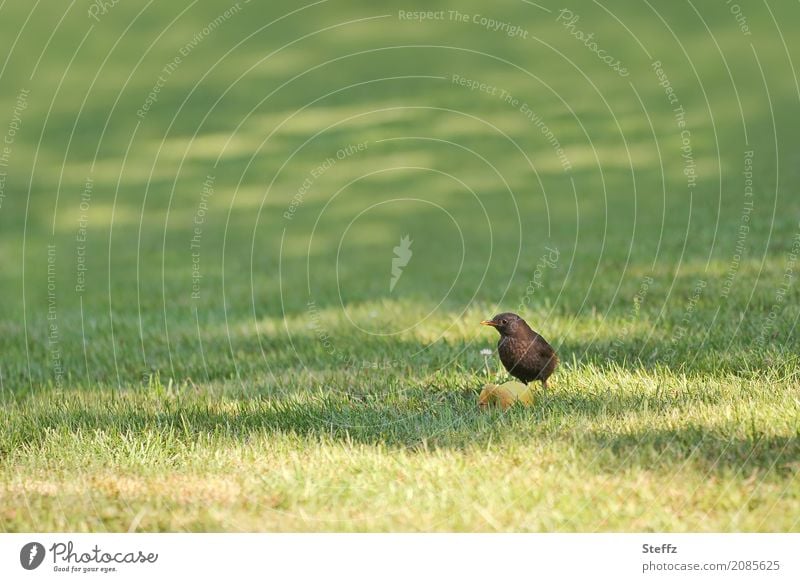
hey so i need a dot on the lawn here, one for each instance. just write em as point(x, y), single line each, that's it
point(202, 203)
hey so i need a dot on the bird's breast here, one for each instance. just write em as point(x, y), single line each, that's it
point(506, 347)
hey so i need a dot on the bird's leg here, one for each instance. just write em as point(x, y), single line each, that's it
point(544, 386)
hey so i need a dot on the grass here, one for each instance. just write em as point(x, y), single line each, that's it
point(287, 389)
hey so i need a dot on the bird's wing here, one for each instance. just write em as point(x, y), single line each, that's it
point(540, 348)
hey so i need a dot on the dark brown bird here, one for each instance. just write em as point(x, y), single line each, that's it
point(525, 354)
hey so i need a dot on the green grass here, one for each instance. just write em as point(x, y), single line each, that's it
point(295, 392)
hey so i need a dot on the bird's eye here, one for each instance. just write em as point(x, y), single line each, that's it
point(503, 321)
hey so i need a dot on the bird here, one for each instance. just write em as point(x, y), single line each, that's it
point(525, 354)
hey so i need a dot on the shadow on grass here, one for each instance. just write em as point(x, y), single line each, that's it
point(421, 420)
point(711, 451)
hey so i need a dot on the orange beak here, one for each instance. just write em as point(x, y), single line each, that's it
point(488, 322)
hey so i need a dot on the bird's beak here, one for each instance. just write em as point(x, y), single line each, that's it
point(488, 322)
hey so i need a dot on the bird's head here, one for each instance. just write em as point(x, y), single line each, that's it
point(506, 323)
